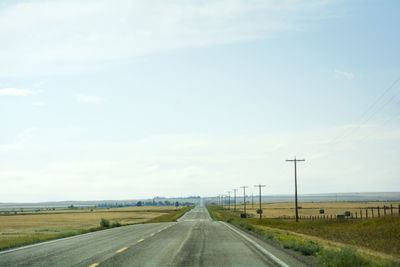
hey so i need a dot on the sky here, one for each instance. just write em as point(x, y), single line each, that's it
point(121, 99)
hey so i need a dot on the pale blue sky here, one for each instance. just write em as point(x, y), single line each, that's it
point(131, 99)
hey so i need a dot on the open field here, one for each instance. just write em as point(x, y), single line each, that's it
point(29, 227)
point(276, 210)
point(378, 238)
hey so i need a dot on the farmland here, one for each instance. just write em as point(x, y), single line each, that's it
point(33, 226)
point(372, 237)
point(278, 210)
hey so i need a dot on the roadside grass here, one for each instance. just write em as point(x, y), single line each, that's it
point(20, 230)
point(171, 216)
point(380, 234)
point(17, 241)
point(326, 256)
point(279, 210)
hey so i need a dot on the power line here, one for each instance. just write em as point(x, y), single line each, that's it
point(365, 116)
point(229, 199)
point(259, 188)
point(234, 190)
point(295, 183)
point(244, 198)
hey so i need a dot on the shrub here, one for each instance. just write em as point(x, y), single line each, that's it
point(104, 223)
point(116, 224)
point(305, 247)
point(308, 248)
point(246, 226)
point(344, 257)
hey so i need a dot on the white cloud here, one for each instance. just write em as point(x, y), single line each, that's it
point(189, 165)
point(343, 74)
point(39, 103)
point(18, 92)
point(66, 36)
point(88, 99)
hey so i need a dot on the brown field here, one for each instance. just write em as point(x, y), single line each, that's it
point(377, 239)
point(28, 225)
point(276, 210)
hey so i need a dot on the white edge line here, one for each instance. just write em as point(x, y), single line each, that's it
point(263, 250)
point(52, 241)
point(60, 239)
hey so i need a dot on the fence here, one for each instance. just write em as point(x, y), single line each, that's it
point(364, 213)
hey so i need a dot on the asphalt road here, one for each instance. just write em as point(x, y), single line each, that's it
point(195, 240)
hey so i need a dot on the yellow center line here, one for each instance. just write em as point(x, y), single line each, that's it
point(152, 234)
point(159, 230)
point(122, 249)
point(140, 240)
point(94, 265)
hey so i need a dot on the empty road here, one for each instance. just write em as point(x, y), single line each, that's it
point(195, 240)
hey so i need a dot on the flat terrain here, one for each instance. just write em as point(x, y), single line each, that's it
point(276, 210)
point(194, 240)
point(31, 225)
point(380, 234)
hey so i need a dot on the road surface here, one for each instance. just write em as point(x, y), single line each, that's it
point(195, 240)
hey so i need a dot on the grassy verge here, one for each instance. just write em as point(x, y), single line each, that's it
point(171, 216)
point(326, 256)
point(36, 238)
point(41, 236)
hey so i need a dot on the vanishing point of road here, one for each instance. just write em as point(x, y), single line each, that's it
point(195, 240)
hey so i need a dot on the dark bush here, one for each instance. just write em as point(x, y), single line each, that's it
point(116, 224)
point(104, 223)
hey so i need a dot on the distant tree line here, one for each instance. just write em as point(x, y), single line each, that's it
point(144, 203)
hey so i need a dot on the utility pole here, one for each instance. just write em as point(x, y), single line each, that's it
point(244, 198)
point(229, 199)
point(295, 183)
point(234, 190)
point(259, 188)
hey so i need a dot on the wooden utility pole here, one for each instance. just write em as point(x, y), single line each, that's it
point(229, 199)
point(295, 183)
point(244, 198)
point(259, 189)
point(234, 192)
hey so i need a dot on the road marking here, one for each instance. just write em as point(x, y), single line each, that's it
point(152, 234)
point(140, 240)
point(56, 240)
point(260, 248)
point(122, 249)
point(94, 265)
point(159, 230)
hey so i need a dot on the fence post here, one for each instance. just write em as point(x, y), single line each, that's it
point(379, 212)
point(384, 209)
point(372, 209)
point(356, 214)
point(366, 213)
point(361, 213)
point(391, 210)
point(399, 210)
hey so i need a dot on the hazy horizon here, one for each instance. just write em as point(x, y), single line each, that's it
point(134, 99)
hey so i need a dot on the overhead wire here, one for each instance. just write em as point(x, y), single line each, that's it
point(365, 117)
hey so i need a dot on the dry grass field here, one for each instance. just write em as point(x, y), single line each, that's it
point(49, 224)
point(276, 210)
point(377, 240)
